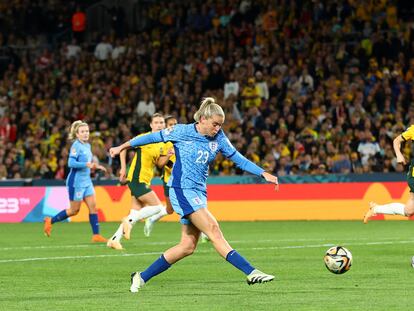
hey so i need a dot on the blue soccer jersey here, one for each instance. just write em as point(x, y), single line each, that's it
point(194, 152)
point(80, 174)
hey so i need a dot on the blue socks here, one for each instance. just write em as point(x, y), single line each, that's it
point(160, 265)
point(157, 267)
point(93, 220)
point(62, 215)
point(239, 262)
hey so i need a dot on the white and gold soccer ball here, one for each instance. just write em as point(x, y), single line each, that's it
point(338, 259)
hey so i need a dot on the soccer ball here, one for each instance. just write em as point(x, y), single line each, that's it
point(338, 259)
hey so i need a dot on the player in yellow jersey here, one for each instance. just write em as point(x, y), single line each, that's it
point(145, 202)
point(166, 162)
point(398, 208)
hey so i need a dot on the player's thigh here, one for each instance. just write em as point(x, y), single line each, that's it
point(149, 199)
point(410, 179)
point(74, 207)
point(169, 207)
point(189, 235)
point(90, 201)
point(76, 195)
point(409, 206)
point(188, 243)
point(136, 204)
point(90, 198)
point(208, 224)
point(205, 222)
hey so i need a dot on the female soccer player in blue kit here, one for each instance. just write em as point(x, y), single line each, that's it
point(78, 182)
point(196, 145)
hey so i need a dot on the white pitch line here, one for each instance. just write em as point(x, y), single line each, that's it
point(200, 251)
point(330, 244)
point(47, 247)
point(75, 257)
point(140, 243)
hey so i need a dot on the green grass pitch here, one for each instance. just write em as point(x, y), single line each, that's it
point(66, 272)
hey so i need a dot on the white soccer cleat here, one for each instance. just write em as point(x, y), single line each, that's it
point(149, 224)
point(126, 228)
point(136, 282)
point(257, 276)
point(204, 238)
point(115, 245)
point(412, 261)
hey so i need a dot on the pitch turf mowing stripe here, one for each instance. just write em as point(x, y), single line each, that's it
point(202, 251)
point(172, 242)
point(175, 241)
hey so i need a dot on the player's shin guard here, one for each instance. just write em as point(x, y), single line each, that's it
point(390, 209)
point(62, 215)
point(149, 222)
point(118, 234)
point(159, 215)
point(93, 220)
point(239, 262)
point(144, 212)
point(157, 267)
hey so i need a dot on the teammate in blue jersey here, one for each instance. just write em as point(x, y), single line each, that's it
point(196, 145)
point(78, 182)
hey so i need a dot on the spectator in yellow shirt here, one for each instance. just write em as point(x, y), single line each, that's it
point(251, 94)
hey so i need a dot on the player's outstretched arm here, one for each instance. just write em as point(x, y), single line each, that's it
point(164, 159)
point(248, 166)
point(122, 171)
point(136, 142)
point(101, 168)
point(397, 148)
point(272, 179)
point(96, 166)
point(114, 151)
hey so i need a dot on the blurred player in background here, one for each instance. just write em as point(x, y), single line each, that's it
point(196, 145)
point(145, 202)
point(398, 208)
point(166, 163)
point(78, 182)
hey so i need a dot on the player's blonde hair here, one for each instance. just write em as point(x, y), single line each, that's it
point(169, 117)
point(74, 128)
point(156, 115)
point(208, 108)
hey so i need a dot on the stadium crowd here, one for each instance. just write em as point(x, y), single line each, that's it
point(308, 87)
